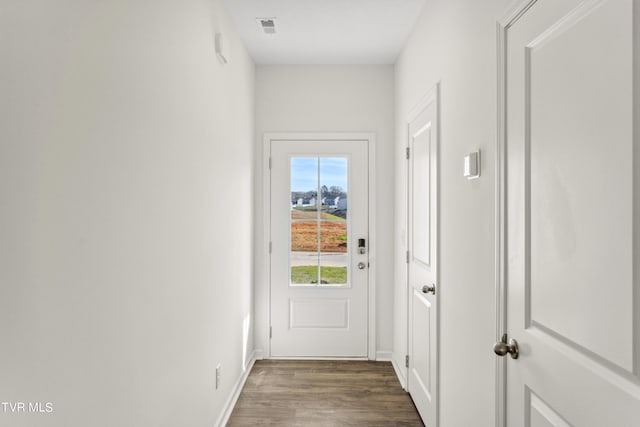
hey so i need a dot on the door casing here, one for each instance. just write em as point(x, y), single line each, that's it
point(431, 97)
point(370, 138)
point(509, 18)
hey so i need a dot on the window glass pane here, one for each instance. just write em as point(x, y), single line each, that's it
point(333, 186)
point(304, 252)
point(334, 257)
point(319, 237)
point(304, 274)
point(333, 237)
point(304, 188)
point(333, 275)
point(303, 257)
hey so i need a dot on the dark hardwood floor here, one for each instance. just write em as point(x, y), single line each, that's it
point(323, 393)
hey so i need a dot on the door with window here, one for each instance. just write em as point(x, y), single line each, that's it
point(572, 215)
point(319, 248)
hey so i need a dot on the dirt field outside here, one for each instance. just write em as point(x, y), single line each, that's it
point(304, 236)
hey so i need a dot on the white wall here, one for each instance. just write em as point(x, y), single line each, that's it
point(126, 188)
point(331, 99)
point(454, 42)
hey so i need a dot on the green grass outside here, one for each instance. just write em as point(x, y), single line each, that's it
point(312, 210)
point(306, 274)
point(325, 215)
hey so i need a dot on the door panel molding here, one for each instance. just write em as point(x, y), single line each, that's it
point(540, 412)
point(301, 313)
point(370, 138)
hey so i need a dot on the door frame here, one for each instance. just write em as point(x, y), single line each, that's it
point(432, 96)
point(511, 16)
point(370, 138)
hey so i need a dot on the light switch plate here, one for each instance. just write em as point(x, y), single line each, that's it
point(472, 165)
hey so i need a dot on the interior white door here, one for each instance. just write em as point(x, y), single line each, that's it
point(319, 258)
point(572, 201)
point(422, 378)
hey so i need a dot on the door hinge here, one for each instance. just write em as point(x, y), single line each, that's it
point(407, 257)
point(408, 153)
point(270, 247)
point(269, 163)
point(270, 331)
point(406, 361)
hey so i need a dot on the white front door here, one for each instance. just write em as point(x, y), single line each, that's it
point(319, 259)
point(573, 214)
point(422, 375)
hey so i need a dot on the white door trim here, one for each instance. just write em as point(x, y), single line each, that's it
point(370, 137)
point(431, 97)
point(413, 113)
point(510, 17)
point(636, 178)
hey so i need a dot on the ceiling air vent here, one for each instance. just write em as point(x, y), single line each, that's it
point(268, 25)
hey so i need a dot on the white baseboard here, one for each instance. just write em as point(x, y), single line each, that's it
point(400, 373)
point(317, 358)
point(259, 354)
point(383, 356)
point(237, 389)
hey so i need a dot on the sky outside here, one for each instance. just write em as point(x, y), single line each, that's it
point(304, 173)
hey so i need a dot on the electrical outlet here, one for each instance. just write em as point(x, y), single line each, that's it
point(218, 369)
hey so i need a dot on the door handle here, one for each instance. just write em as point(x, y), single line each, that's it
point(429, 289)
point(501, 348)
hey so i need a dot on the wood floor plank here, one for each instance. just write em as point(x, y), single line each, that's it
point(328, 393)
